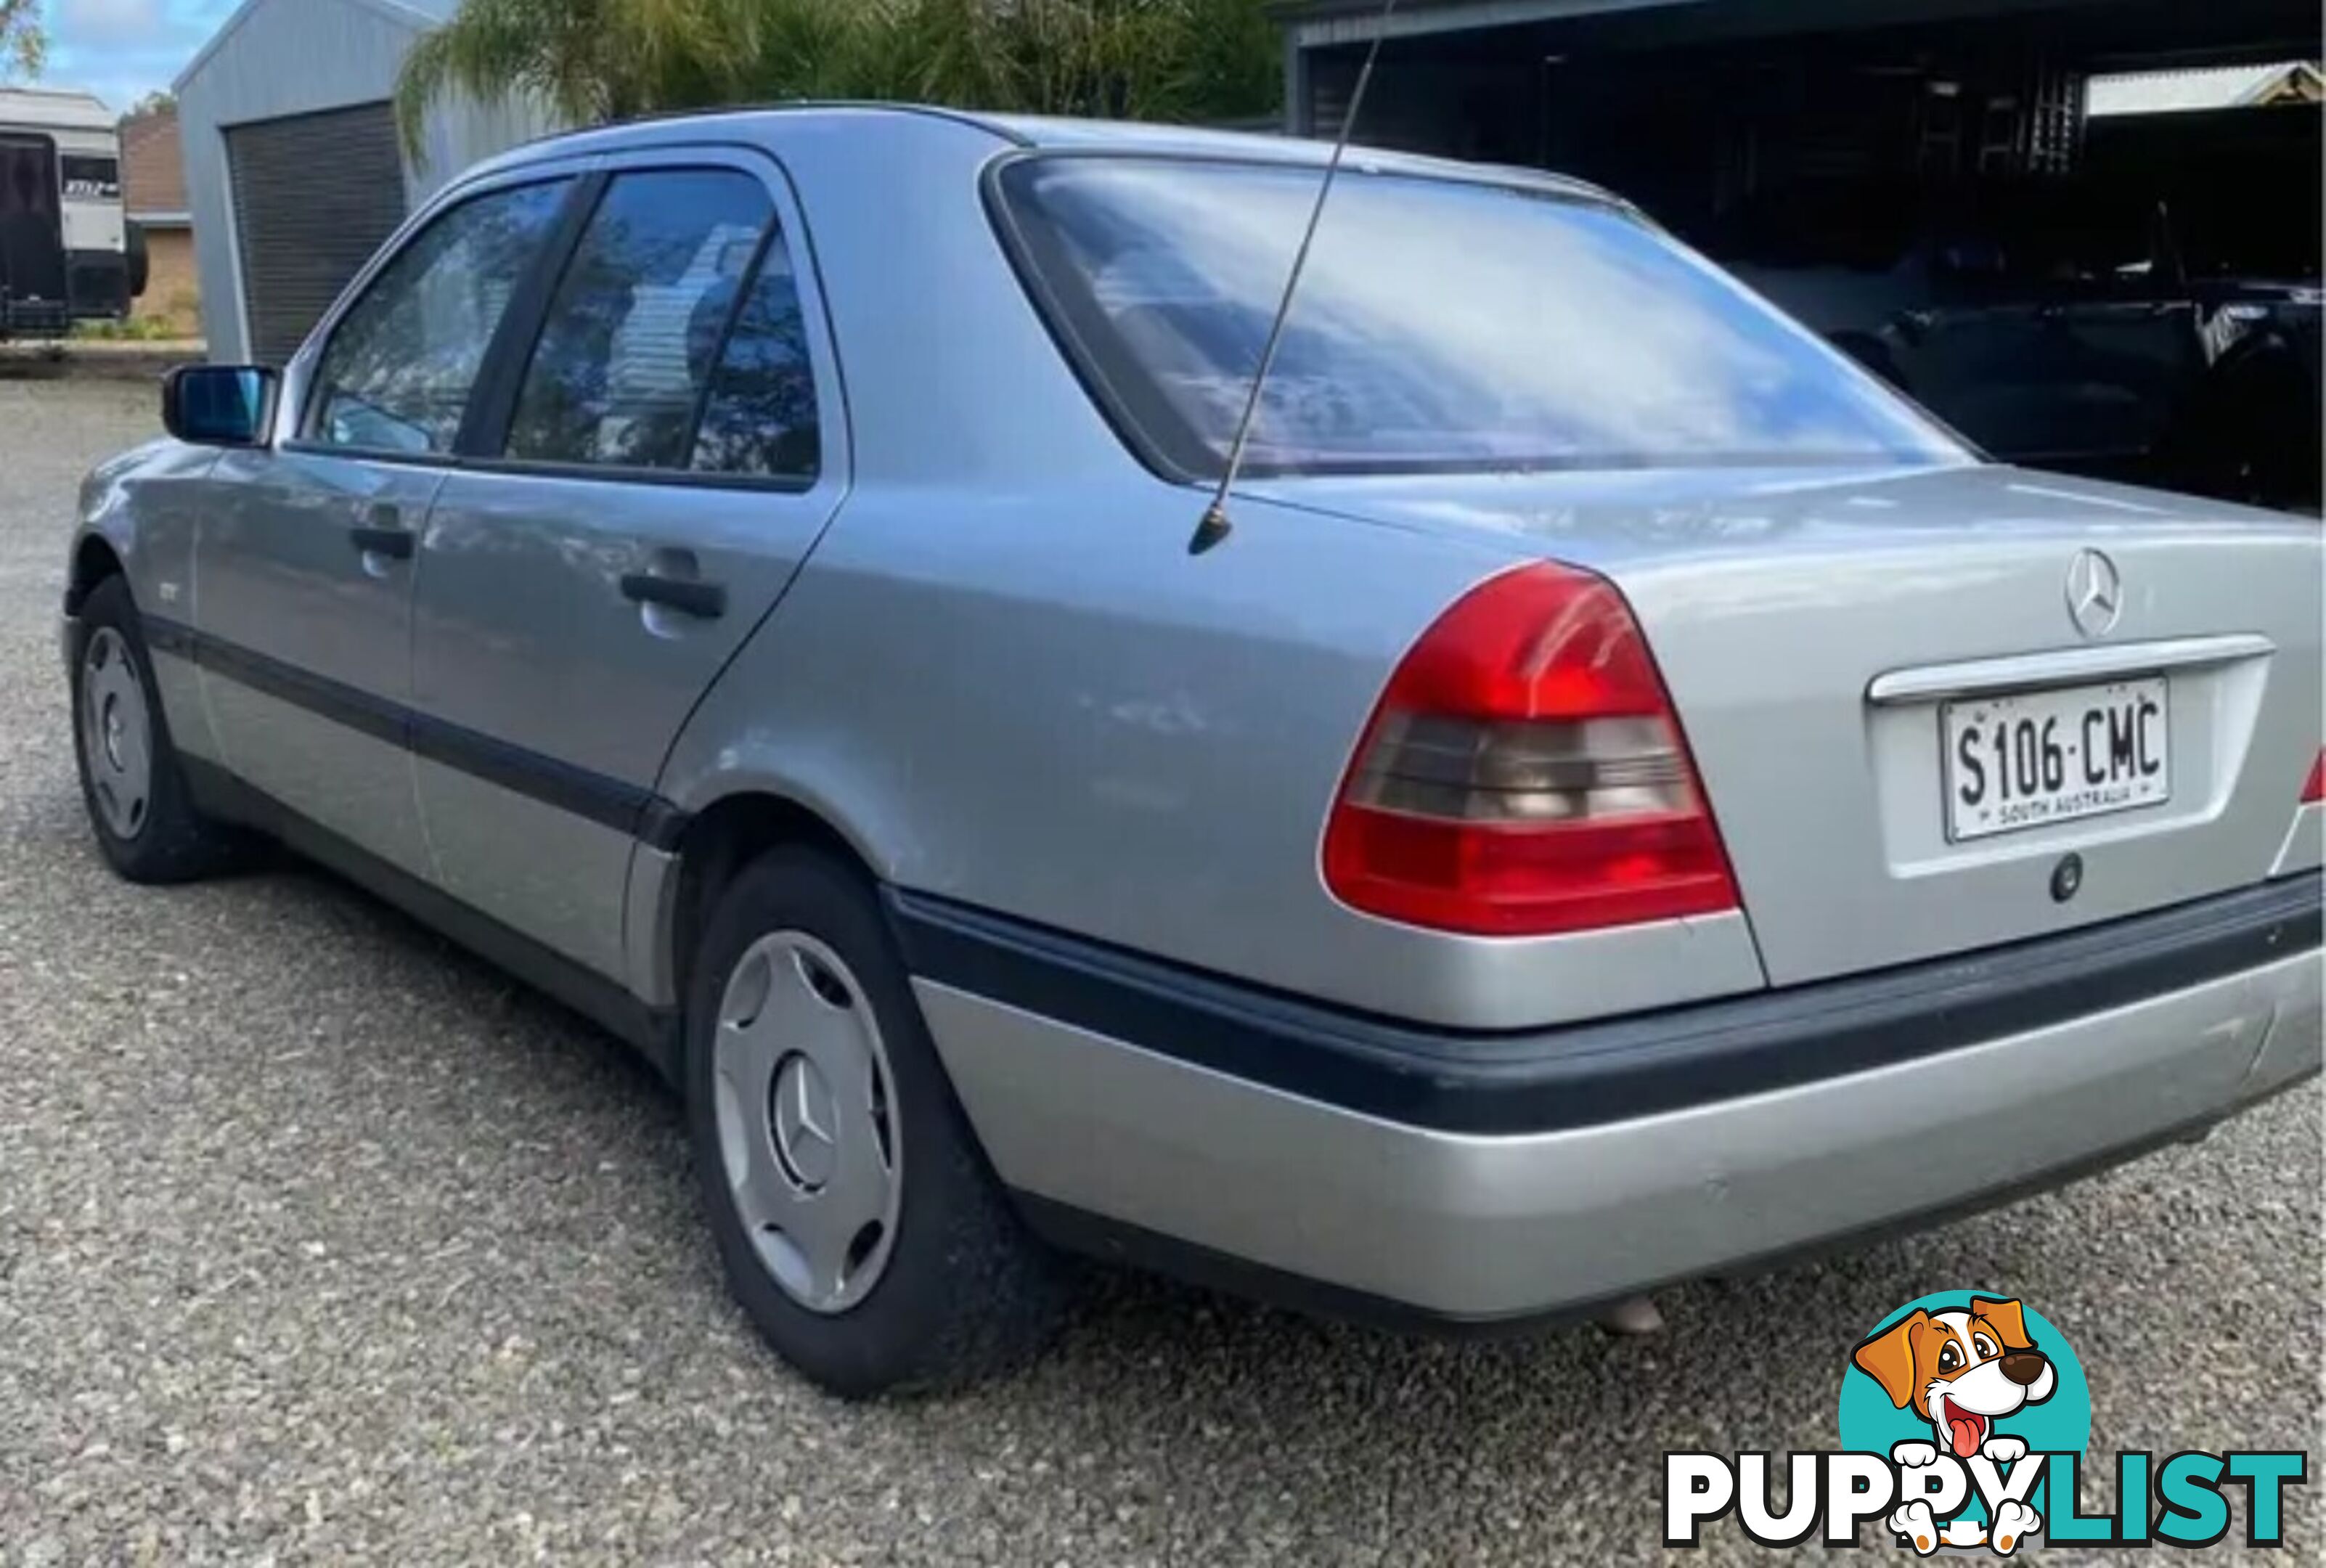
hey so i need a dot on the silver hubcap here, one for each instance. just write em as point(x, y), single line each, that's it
point(117, 733)
point(807, 1126)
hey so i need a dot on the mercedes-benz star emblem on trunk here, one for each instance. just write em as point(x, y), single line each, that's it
point(2095, 593)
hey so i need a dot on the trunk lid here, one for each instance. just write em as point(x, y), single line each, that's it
point(1842, 648)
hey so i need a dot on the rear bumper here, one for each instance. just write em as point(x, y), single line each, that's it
point(33, 318)
point(1486, 1177)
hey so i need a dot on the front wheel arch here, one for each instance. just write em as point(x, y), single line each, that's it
point(94, 560)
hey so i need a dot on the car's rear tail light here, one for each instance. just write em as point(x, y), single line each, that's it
point(1525, 774)
point(2314, 790)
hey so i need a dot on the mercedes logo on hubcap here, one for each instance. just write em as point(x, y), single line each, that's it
point(801, 1112)
point(2095, 593)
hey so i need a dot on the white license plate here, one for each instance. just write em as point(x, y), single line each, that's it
point(2038, 757)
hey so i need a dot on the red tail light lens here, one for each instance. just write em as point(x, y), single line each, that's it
point(2314, 791)
point(1525, 774)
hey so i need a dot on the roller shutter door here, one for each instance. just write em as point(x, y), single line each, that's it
point(314, 196)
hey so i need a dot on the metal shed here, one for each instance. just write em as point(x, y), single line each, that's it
point(295, 170)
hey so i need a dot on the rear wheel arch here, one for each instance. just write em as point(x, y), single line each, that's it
point(726, 836)
point(2248, 429)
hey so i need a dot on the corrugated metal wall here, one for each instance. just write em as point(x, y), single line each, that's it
point(281, 58)
point(314, 195)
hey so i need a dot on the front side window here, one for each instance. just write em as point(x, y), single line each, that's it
point(634, 333)
point(1441, 325)
point(396, 374)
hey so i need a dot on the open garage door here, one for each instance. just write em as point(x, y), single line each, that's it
point(314, 196)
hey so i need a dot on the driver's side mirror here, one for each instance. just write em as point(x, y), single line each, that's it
point(219, 405)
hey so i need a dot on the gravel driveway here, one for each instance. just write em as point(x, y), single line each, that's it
point(320, 1241)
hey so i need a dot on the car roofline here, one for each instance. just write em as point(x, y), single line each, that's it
point(1060, 134)
point(580, 141)
point(1065, 134)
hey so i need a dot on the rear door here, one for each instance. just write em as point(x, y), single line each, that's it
point(305, 557)
point(31, 232)
point(2055, 368)
point(658, 464)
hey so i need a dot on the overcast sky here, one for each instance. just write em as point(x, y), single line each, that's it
point(121, 50)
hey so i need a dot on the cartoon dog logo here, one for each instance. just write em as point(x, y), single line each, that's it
point(1962, 1371)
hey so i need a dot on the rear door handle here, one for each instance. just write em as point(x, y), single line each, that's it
point(703, 600)
point(396, 543)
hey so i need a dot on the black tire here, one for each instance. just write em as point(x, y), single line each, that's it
point(170, 841)
point(966, 1292)
point(2262, 433)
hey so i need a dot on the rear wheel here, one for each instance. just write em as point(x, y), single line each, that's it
point(2250, 432)
point(144, 819)
point(859, 1226)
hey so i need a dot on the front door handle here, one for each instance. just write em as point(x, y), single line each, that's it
point(395, 543)
point(704, 601)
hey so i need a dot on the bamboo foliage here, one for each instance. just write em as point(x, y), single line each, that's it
point(593, 60)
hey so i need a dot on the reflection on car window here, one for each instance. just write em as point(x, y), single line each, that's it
point(398, 372)
point(760, 416)
point(631, 337)
point(1441, 324)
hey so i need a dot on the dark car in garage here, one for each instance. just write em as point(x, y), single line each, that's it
point(2061, 324)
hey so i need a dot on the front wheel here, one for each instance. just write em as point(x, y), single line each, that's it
point(144, 819)
point(860, 1229)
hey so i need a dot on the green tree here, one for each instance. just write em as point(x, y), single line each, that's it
point(591, 60)
point(24, 41)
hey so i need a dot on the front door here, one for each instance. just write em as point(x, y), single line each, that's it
point(655, 478)
point(305, 551)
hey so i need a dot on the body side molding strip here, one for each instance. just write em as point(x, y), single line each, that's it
point(608, 802)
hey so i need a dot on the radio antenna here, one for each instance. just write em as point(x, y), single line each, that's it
point(1213, 525)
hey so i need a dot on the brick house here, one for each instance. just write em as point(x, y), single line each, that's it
point(154, 193)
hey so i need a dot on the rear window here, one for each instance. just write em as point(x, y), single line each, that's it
point(91, 179)
point(1441, 325)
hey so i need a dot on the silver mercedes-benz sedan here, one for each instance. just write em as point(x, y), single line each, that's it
point(1622, 796)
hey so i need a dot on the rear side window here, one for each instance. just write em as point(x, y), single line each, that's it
point(1442, 325)
point(396, 374)
point(667, 324)
point(761, 415)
